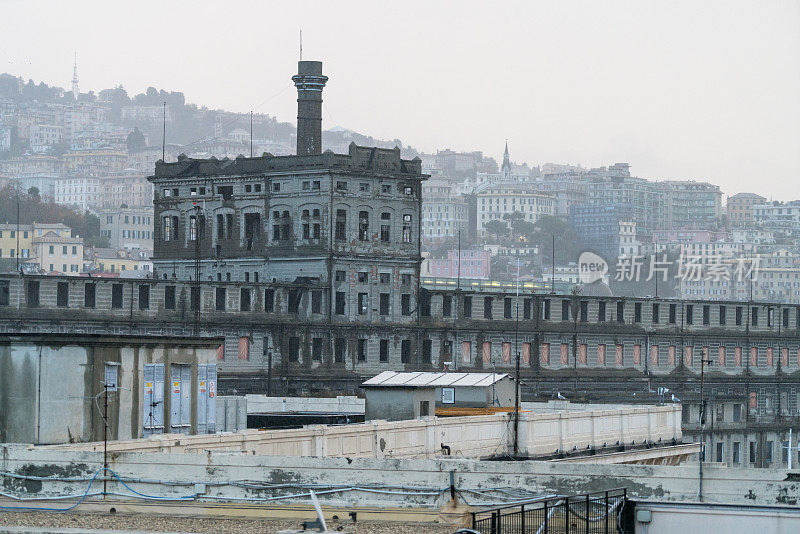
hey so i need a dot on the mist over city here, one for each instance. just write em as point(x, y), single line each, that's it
point(428, 267)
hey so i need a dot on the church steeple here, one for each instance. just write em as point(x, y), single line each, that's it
point(75, 91)
point(506, 168)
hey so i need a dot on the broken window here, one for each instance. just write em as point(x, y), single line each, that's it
point(363, 225)
point(252, 229)
point(363, 303)
point(341, 225)
point(406, 228)
point(386, 223)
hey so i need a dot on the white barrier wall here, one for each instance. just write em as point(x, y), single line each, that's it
point(471, 437)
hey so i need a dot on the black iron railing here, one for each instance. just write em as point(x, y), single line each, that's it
point(591, 513)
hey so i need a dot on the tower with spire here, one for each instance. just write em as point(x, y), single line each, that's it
point(505, 170)
point(75, 78)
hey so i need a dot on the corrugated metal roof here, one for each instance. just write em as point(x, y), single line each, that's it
point(395, 379)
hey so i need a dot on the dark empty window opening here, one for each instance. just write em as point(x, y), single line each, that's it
point(244, 299)
point(362, 350)
point(295, 296)
point(252, 229)
point(62, 295)
point(340, 232)
point(384, 350)
point(487, 307)
point(194, 298)
point(405, 304)
point(5, 292)
point(269, 300)
point(144, 296)
point(116, 296)
point(447, 304)
point(169, 298)
point(220, 299)
point(340, 297)
point(226, 191)
point(467, 306)
point(405, 351)
point(89, 295)
point(339, 349)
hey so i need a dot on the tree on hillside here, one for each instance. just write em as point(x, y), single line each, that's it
point(135, 139)
point(496, 228)
point(566, 240)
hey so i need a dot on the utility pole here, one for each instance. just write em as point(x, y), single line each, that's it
point(703, 363)
point(516, 380)
point(553, 273)
point(197, 266)
point(16, 256)
point(105, 439)
point(251, 133)
point(458, 275)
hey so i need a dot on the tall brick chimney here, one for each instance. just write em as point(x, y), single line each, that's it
point(309, 82)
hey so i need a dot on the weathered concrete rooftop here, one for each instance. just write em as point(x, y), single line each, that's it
point(359, 159)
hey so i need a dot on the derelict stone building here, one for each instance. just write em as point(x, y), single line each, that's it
point(344, 226)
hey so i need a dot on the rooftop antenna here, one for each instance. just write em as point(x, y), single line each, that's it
point(301, 44)
point(164, 136)
point(251, 133)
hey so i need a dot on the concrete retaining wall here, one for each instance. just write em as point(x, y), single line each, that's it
point(280, 476)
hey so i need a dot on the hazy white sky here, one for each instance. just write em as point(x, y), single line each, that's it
point(679, 89)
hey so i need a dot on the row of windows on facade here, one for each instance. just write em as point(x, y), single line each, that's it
point(295, 297)
point(758, 357)
point(64, 249)
point(307, 185)
point(129, 234)
point(23, 253)
point(294, 350)
point(282, 229)
point(767, 451)
point(130, 219)
point(363, 306)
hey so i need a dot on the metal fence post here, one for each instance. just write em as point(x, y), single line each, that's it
point(608, 511)
point(545, 517)
point(587, 513)
point(495, 530)
point(566, 515)
point(522, 523)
